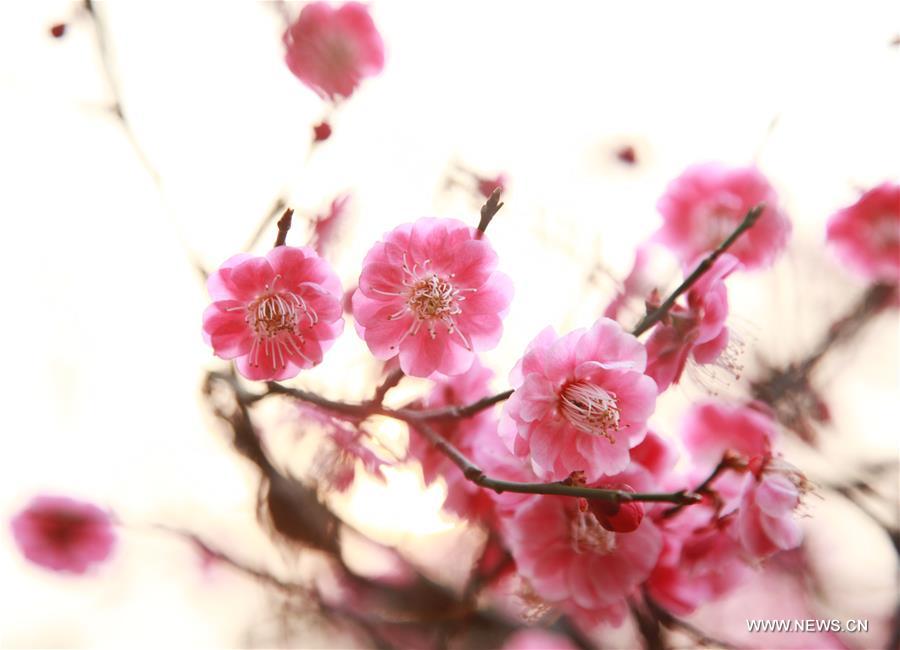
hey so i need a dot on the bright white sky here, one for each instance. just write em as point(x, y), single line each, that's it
point(105, 357)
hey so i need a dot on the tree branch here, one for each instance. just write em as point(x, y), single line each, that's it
point(660, 312)
point(284, 225)
point(489, 210)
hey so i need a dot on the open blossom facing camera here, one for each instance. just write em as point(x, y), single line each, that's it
point(704, 205)
point(430, 293)
point(581, 401)
point(62, 534)
point(274, 315)
point(570, 556)
point(696, 330)
point(332, 50)
point(866, 235)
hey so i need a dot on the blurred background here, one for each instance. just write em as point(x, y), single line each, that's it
point(105, 221)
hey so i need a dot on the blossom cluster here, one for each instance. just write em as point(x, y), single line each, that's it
point(430, 297)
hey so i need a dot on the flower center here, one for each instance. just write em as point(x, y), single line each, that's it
point(433, 297)
point(276, 319)
point(590, 409)
point(588, 536)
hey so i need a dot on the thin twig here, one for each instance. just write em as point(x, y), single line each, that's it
point(390, 381)
point(489, 210)
point(284, 225)
point(277, 206)
point(660, 312)
point(729, 461)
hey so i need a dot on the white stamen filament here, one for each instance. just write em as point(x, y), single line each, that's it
point(590, 409)
point(277, 319)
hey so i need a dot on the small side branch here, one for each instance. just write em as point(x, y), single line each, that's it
point(660, 312)
point(284, 225)
point(489, 210)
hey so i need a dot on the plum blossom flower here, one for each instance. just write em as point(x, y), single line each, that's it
point(700, 561)
point(866, 235)
point(430, 292)
point(332, 50)
point(707, 202)
point(570, 558)
point(326, 226)
point(275, 315)
point(765, 519)
point(464, 498)
point(655, 454)
point(711, 428)
point(581, 401)
point(696, 330)
point(63, 535)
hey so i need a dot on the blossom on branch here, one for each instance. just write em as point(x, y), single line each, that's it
point(430, 292)
point(765, 519)
point(710, 429)
point(704, 205)
point(581, 401)
point(866, 235)
point(333, 50)
point(63, 535)
point(695, 330)
point(274, 315)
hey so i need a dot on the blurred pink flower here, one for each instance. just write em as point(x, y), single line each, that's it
point(866, 235)
point(700, 561)
point(706, 203)
point(326, 226)
point(333, 50)
point(711, 428)
point(274, 315)
point(464, 498)
point(568, 556)
point(64, 535)
point(655, 454)
point(430, 292)
point(765, 519)
point(487, 185)
point(536, 639)
point(696, 330)
point(321, 131)
point(581, 401)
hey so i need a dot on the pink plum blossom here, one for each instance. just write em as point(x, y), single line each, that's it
point(704, 205)
point(696, 330)
point(63, 535)
point(581, 401)
point(700, 561)
point(765, 520)
point(711, 428)
point(866, 235)
point(655, 454)
point(571, 559)
point(430, 291)
point(464, 498)
point(326, 226)
point(274, 315)
point(332, 50)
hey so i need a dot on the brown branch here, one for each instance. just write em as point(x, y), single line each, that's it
point(390, 381)
point(660, 312)
point(284, 225)
point(729, 461)
point(475, 474)
point(277, 207)
point(489, 210)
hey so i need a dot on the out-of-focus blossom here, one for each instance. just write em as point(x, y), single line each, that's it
point(464, 498)
point(275, 315)
point(636, 284)
point(866, 235)
point(700, 561)
point(58, 30)
point(430, 291)
point(537, 639)
point(694, 330)
point(704, 205)
point(321, 131)
point(626, 154)
point(711, 428)
point(765, 519)
point(332, 50)
point(655, 454)
point(326, 226)
point(581, 401)
point(487, 185)
point(64, 535)
point(569, 557)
